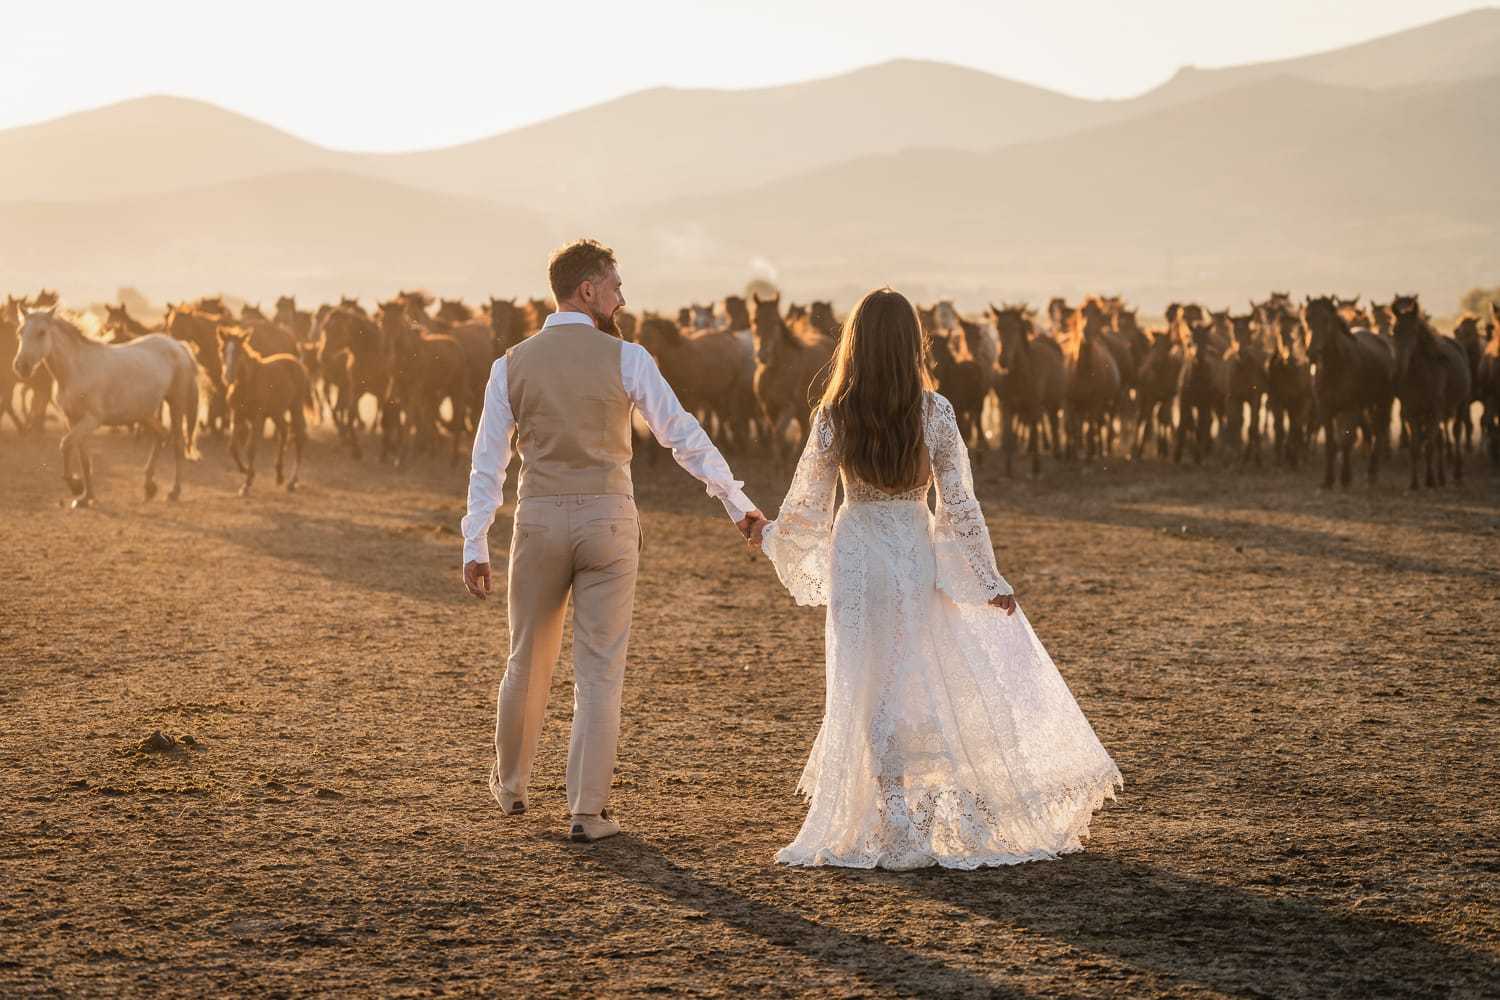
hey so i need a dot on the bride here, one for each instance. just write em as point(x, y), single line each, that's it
point(948, 736)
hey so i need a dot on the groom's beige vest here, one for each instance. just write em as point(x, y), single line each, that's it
point(572, 414)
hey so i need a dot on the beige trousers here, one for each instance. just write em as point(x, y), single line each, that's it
point(589, 545)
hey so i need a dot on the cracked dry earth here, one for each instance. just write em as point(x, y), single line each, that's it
point(1299, 687)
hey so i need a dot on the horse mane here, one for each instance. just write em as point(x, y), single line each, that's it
point(58, 320)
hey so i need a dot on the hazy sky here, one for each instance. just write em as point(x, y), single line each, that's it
point(378, 75)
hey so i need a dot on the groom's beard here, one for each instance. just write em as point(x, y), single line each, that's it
point(606, 323)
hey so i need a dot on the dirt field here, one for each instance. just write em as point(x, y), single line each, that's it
point(1300, 689)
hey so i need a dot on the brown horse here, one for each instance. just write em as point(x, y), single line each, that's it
point(1202, 391)
point(790, 369)
point(1289, 386)
point(1466, 334)
point(1129, 344)
point(1432, 383)
point(354, 357)
point(627, 325)
point(706, 371)
point(507, 324)
point(961, 379)
point(537, 311)
point(822, 319)
point(478, 342)
point(1033, 381)
point(1246, 361)
point(1092, 390)
point(1156, 389)
point(265, 387)
point(1353, 386)
point(452, 312)
point(736, 313)
point(425, 368)
point(298, 321)
point(1488, 383)
point(123, 327)
point(199, 330)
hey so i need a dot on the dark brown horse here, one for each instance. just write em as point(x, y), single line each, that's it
point(1353, 386)
point(1466, 333)
point(705, 370)
point(265, 387)
point(1432, 383)
point(1202, 391)
point(1246, 360)
point(425, 368)
point(1032, 383)
point(736, 313)
point(355, 359)
point(1156, 389)
point(791, 368)
point(122, 327)
point(507, 324)
point(964, 382)
point(1093, 383)
point(1289, 385)
point(1488, 383)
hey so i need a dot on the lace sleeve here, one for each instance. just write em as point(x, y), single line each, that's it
point(966, 569)
point(799, 542)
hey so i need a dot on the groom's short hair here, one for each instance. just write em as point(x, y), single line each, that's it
point(572, 265)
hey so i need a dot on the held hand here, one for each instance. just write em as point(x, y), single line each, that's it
point(757, 534)
point(477, 578)
point(1005, 602)
point(748, 523)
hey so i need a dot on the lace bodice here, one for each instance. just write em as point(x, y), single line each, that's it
point(799, 541)
point(858, 491)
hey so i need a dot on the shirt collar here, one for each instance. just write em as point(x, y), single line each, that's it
point(559, 318)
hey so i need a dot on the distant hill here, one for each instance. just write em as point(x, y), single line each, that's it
point(1281, 182)
point(149, 145)
point(1461, 47)
point(319, 234)
point(668, 142)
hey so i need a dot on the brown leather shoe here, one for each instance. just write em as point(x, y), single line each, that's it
point(587, 829)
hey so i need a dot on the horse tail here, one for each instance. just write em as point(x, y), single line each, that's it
point(189, 418)
point(192, 376)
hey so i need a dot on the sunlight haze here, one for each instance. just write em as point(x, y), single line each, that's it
point(420, 76)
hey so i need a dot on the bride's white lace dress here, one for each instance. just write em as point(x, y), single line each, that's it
point(948, 735)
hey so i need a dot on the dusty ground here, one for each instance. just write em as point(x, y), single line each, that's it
point(1300, 689)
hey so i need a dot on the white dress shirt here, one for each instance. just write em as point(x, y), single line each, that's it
point(672, 426)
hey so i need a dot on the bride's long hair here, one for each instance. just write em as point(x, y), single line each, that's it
point(875, 393)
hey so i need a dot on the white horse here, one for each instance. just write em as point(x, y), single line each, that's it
point(101, 384)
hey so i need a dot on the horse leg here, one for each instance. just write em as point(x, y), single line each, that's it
point(76, 438)
point(256, 427)
point(1458, 456)
point(299, 441)
point(7, 410)
point(281, 431)
point(1439, 438)
point(158, 439)
point(75, 483)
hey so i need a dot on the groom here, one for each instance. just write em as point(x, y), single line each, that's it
point(568, 393)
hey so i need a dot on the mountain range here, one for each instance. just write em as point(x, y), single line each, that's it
point(1366, 169)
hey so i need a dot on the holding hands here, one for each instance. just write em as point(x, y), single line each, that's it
point(751, 527)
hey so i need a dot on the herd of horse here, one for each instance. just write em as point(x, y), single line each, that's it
point(1080, 382)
